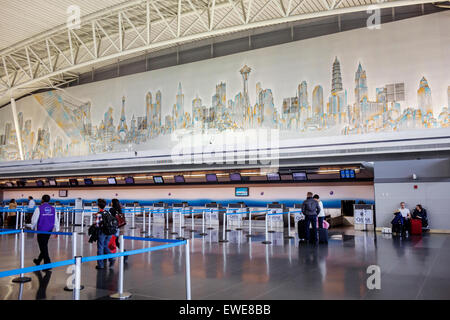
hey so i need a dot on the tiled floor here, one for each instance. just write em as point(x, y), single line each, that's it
point(244, 268)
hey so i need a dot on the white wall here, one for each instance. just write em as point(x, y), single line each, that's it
point(433, 196)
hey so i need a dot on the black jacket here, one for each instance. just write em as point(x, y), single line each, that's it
point(93, 233)
point(310, 207)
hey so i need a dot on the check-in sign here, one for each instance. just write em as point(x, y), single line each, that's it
point(363, 216)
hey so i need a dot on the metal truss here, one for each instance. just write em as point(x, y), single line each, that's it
point(57, 57)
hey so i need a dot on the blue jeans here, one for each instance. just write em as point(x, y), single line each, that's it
point(102, 248)
point(313, 220)
point(321, 222)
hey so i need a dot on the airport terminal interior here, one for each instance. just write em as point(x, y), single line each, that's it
point(224, 150)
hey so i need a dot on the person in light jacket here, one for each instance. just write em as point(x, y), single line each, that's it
point(321, 215)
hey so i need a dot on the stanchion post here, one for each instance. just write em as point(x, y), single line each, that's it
point(17, 219)
point(180, 236)
point(188, 271)
point(224, 233)
point(267, 234)
point(203, 224)
point(192, 221)
point(90, 218)
point(271, 224)
point(210, 220)
point(173, 222)
point(21, 218)
point(120, 294)
point(143, 221)
point(77, 286)
point(22, 278)
point(239, 216)
point(249, 224)
point(289, 227)
point(74, 244)
point(166, 210)
point(149, 222)
point(132, 218)
point(82, 221)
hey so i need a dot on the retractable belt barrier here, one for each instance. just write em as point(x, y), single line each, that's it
point(19, 211)
point(77, 261)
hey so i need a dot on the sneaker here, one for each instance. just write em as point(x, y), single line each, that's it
point(36, 262)
point(99, 268)
point(111, 263)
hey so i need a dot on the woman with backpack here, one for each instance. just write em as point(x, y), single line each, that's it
point(107, 227)
point(116, 211)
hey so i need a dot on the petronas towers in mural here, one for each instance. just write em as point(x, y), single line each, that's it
point(300, 114)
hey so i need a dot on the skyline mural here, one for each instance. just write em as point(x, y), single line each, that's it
point(66, 125)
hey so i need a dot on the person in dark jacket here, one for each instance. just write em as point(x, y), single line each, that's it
point(116, 209)
point(420, 213)
point(311, 208)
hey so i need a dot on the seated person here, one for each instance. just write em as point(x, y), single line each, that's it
point(420, 213)
point(406, 214)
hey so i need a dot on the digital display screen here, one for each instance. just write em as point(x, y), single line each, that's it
point(73, 182)
point(88, 182)
point(40, 183)
point(211, 177)
point(273, 177)
point(241, 192)
point(112, 180)
point(348, 174)
point(129, 180)
point(179, 179)
point(235, 177)
point(62, 193)
point(52, 182)
point(158, 179)
point(20, 183)
point(299, 176)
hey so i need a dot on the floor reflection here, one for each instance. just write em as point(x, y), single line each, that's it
point(243, 267)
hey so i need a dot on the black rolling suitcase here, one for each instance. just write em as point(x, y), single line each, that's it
point(301, 226)
point(323, 235)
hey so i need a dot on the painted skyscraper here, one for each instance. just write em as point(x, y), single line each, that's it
point(338, 98)
point(122, 129)
point(317, 101)
point(424, 97)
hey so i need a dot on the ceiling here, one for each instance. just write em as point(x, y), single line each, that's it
point(39, 50)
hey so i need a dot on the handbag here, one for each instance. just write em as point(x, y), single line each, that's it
point(112, 244)
point(121, 221)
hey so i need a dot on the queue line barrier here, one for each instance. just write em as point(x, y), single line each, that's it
point(78, 260)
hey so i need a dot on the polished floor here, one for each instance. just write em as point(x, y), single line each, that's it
point(244, 268)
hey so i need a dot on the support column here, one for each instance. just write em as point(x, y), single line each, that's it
point(16, 125)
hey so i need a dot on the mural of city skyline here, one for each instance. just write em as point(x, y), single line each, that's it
point(350, 86)
point(301, 114)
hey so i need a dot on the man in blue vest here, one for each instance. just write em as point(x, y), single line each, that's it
point(44, 219)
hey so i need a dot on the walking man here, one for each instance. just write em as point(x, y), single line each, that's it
point(310, 209)
point(44, 219)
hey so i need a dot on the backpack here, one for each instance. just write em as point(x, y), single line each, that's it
point(119, 216)
point(109, 224)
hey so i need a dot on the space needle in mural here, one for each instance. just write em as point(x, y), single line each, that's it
point(299, 115)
